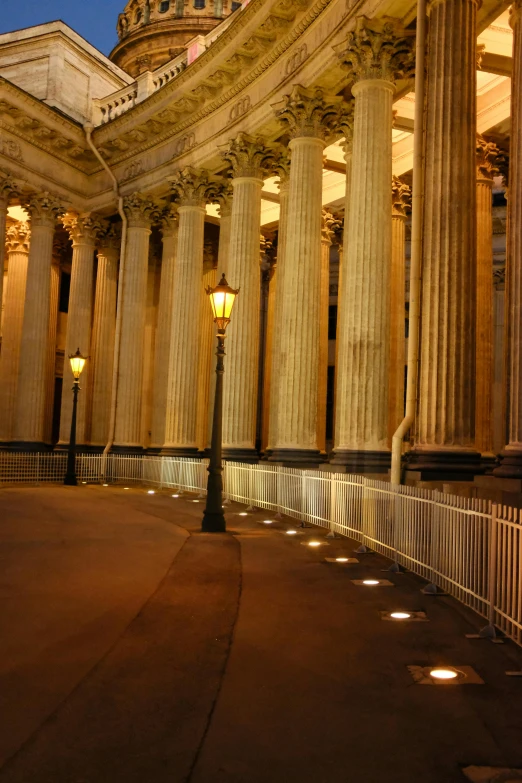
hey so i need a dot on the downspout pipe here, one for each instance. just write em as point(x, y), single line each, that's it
point(416, 248)
point(88, 129)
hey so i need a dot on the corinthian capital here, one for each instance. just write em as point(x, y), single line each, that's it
point(169, 220)
point(140, 210)
point(18, 238)
point(309, 112)
point(7, 189)
point(193, 187)
point(109, 241)
point(282, 170)
point(44, 209)
point(249, 156)
point(224, 197)
point(83, 229)
point(378, 49)
point(401, 197)
point(488, 158)
point(329, 226)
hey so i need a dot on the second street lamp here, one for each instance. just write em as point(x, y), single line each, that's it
point(222, 299)
point(77, 364)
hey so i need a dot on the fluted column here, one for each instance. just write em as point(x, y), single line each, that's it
point(445, 432)
point(149, 345)
point(378, 53)
point(190, 187)
point(206, 353)
point(103, 335)
point(169, 228)
point(401, 200)
point(329, 224)
point(7, 189)
point(309, 117)
point(487, 153)
point(83, 231)
point(18, 238)
point(51, 343)
point(140, 211)
point(29, 426)
point(247, 156)
point(511, 465)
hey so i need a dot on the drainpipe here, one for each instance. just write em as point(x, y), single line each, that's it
point(416, 248)
point(88, 129)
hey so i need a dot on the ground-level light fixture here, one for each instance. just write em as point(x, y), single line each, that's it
point(314, 543)
point(77, 362)
point(267, 522)
point(370, 582)
point(443, 673)
point(243, 514)
point(222, 299)
point(150, 492)
point(341, 559)
point(175, 496)
point(400, 615)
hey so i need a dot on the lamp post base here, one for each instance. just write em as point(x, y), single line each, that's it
point(70, 481)
point(213, 522)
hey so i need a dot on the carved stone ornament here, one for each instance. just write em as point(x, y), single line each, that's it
point(378, 49)
point(8, 189)
point(309, 112)
point(282, 169)
point(44, 209)
point(499, 278)
point(401, 197)
point(109, 241)
point(224, 196)
point(169, 220)
point(140, 210)
point(83, 229)
point(488, 158)
point(329, 226)
point(193, 187)
point(18, 238)
point(250, 156)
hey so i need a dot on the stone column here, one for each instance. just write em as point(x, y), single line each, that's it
point(225, 213)
point(328, 226)
point(191, 188)
point(56, 273)
point(487, 153)
point(140, 211)
point(277, 284)
point(511, 465)
point(499, 361)
point(445, 431)
point(149, 344)
point(401, 201)
point(309, 117)
point(247, 156)
point(207, 346)
point(18, 238)
point(7, 189)
point(83, 231)
point(378, 53)
point(169, 227)
point(29, 421)
point(103, 334)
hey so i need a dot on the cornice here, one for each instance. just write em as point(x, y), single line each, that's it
point(195, 115)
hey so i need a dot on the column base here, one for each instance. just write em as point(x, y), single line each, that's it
point(81, 448)
point(29, 446)
point(154, 451)
point(190, 452)
point(510, 464)
point(297, 456)
point(240, 455)
point(128, 451)
point(489, 462)
point(445, 465)
point(360, 461)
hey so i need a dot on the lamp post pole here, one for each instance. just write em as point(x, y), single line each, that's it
point(77, 364)
point(213, 517)
point(222, 299)
point(70, 476)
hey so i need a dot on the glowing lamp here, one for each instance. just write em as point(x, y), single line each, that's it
point(77, 364)
point(222, 299)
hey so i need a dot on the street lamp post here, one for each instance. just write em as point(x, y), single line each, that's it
point(77, 364)
point(222, 299)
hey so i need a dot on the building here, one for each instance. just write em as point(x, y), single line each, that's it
point(275, 144)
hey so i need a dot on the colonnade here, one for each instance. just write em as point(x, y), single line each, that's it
point(452, 429)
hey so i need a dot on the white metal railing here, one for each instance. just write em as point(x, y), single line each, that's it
point(469, 548)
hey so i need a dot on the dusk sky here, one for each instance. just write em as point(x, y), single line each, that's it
point(94, 19)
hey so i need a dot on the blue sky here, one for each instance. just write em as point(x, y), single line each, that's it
point(94, 19)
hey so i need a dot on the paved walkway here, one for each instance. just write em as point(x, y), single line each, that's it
point(134, 649)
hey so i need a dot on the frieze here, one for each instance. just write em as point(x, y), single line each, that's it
point(11, 149)
point(134, 170)
point(239, 108)
point(295, 60)
point(184, 144)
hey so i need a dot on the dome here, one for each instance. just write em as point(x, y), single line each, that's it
point(152, 32)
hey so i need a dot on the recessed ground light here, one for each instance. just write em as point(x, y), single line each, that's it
point(125, 487)
point(291, 532)
point(267, 521)
point(372, 583)
point(400, 615)
point(341, 559)
point(105, 485)
point(314, 543)
point(441, 673)
point(243, 514)
point(84, 482)
point(175, 496)
point(150, 492)
point(195, 501)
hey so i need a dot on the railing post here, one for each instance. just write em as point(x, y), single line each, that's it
point(489, 630)
point(363, 549)
point(161, 473)
point(37, 469)
point(396, 505)
point(333, 504)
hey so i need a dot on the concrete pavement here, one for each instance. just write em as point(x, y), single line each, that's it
point(133, 648)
